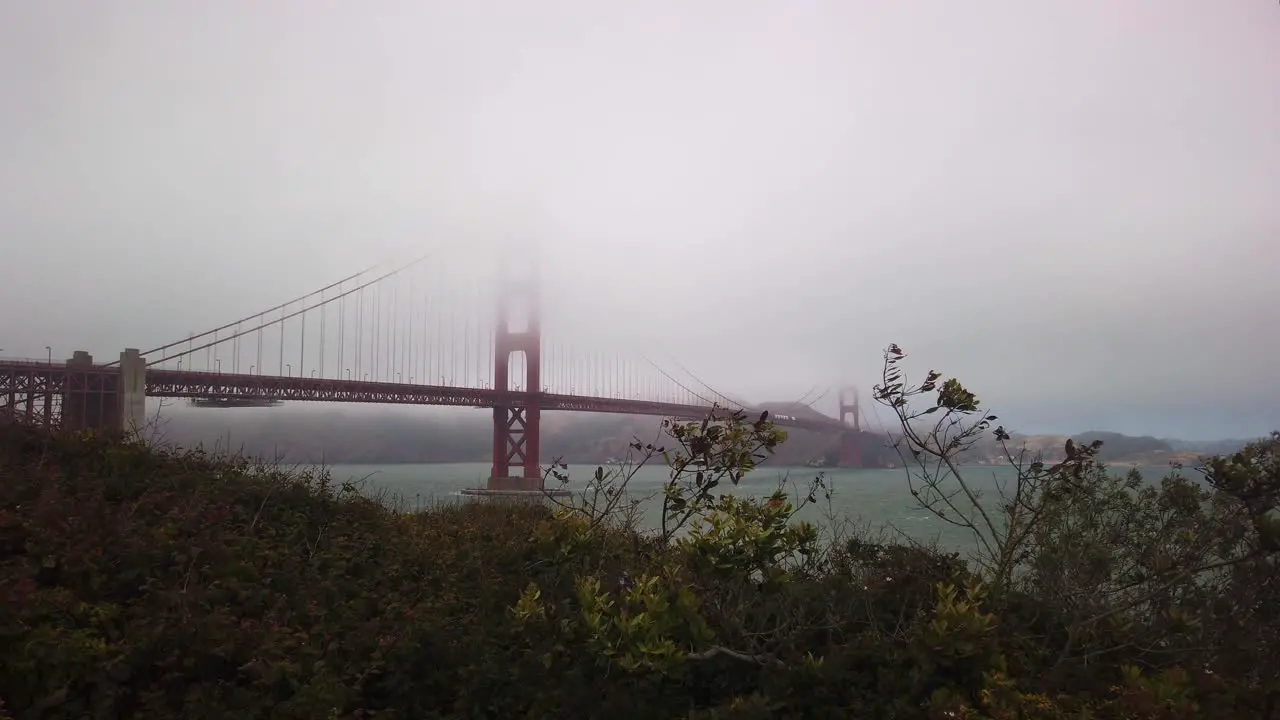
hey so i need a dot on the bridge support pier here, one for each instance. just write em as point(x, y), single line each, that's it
point(105, 400)
point(515, 449)
point(133, 392)
point(850, 450)
point(88, 402)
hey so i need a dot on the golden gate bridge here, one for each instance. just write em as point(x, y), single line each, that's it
point(406, 335)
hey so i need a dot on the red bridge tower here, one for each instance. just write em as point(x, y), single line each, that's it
point(850, 440)
point(516, 421)
point(849, 406)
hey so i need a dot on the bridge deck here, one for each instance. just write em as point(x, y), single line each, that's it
point(33, 377)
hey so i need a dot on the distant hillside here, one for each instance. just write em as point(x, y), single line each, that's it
point(344, 435)
point(1209, 447)
point(347, 435)
point(1117, 449)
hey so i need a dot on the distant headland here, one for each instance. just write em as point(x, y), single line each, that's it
point(343, 436)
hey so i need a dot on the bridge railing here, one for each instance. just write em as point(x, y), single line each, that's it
point(32, 361)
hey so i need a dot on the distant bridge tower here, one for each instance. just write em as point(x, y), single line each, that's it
point(851, 438)
point(849, 406)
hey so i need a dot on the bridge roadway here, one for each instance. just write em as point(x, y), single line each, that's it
point(23, 378)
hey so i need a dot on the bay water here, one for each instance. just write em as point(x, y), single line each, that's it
point(875, 500)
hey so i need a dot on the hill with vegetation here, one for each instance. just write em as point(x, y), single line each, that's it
point(1117, 450)
point(151, 583)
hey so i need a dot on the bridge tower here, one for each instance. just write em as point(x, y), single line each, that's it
point(849, 406)
point(517, 420)
point(850, 440)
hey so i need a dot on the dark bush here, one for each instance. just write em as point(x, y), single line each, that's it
point(158, 584)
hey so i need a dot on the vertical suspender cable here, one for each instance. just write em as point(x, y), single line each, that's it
point(323, 322)
point(283, 310)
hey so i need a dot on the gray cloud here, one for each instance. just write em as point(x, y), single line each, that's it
point(1070, 205)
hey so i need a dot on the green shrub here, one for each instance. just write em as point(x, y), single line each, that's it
point(137, 582)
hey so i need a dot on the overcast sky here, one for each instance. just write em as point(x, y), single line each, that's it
point(1073, 205)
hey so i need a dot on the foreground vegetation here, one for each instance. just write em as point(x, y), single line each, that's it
point(137, 582)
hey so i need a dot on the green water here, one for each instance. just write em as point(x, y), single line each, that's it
point(875, 499)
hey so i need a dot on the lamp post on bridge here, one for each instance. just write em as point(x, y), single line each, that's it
point(288, 370)
point(50, 351)
point(217, 364)
point(348, 374)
